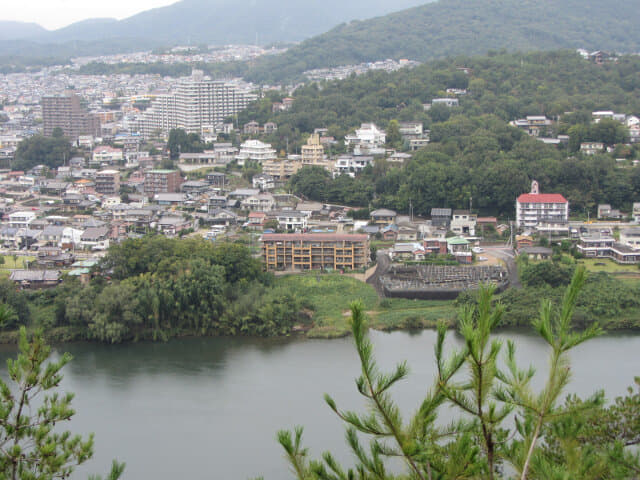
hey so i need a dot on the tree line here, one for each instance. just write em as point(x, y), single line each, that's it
point(157, 288)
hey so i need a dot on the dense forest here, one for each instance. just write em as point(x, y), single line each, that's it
point(158, 288)
point(474, 152)
point(453, 27)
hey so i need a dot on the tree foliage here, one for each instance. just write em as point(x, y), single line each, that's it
point(31, 447)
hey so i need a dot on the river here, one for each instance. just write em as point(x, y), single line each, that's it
point(209, 408)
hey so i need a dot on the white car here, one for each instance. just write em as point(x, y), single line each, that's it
point(477, 249)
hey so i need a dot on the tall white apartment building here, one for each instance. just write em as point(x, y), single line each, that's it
point(542, 211)
point(198, 104)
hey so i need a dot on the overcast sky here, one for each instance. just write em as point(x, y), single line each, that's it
point(54, 14)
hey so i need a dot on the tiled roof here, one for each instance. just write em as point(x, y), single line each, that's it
point(541, 198)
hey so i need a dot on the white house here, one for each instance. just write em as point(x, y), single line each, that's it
point(350, 165)
point(21, 219)
point(367, 137)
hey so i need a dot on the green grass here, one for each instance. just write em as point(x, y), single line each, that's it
point(608, 266)
point(331, 294)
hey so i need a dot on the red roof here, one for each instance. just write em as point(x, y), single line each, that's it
point(318, 237)
point(541, 198)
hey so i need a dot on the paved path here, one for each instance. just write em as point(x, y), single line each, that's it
point(383, 264)
point(508, 256)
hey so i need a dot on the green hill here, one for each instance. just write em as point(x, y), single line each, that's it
point(463, 27)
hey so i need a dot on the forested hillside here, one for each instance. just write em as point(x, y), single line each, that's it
point(454, 27)
point(473, 150)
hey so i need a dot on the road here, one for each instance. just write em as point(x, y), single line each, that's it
point(508, 256)
point(384, 262)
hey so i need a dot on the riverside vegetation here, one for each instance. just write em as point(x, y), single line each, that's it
point(156, 288)
point(505, 428)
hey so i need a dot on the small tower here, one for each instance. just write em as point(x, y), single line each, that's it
point(535, 188)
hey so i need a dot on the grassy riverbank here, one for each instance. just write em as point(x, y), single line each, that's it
point(331, 294)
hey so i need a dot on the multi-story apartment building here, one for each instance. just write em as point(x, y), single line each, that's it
point(67, 113)
point(162, 181)
point(281, 169)
point(108, 182)
point(198, 104)
point(256, 151)
point(314, 251)
point(542, 211)
point(313, 151)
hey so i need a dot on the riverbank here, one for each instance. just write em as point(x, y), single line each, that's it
point(325, 300)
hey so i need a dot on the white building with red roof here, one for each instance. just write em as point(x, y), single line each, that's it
point(547, 212)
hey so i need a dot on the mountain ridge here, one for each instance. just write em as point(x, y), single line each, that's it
point(448, 28)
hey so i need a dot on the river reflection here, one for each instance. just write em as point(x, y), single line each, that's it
point(210, 408)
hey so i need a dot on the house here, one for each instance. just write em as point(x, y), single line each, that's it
point(216, 201)
point(441, 217)
point(368, 139)
point(221, 216)
point(26, 237)
point(349, 165)
point(605, 211)
point(194, 187)
point(533, 125)
point(523, 241)
point(390, 232)
point(464, 223)
point(407, 252)
point(52, 235)
point(172, 225)
point(291, 220)
point(599, 243)
point(383, 216)
point(410, 130)
point(435, 245)
point(407, 234)
point(21, 219)
point(216, 179)
point(256, 219)
point(95, 238)
point(460, 248)
point(418, 143)
point(547, 212)
point(630, 237)
point(35, 278)
point(635, 212)
point(263, 182)
point(591, 148)
point(447, 102)
point(243, 193)
point(8, 236)
point(487, 222)
point(536, 253)
point(169, 198)
point(261, 201)
point(251, 128)
point(399, 157)
point(310, 208)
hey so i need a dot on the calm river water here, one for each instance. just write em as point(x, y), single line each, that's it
point(210, 408)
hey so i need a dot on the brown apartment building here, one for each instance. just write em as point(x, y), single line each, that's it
point(67, 113)
point(162, 181)
point(314, 251)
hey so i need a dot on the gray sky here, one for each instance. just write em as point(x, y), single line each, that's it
point(54, 14)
